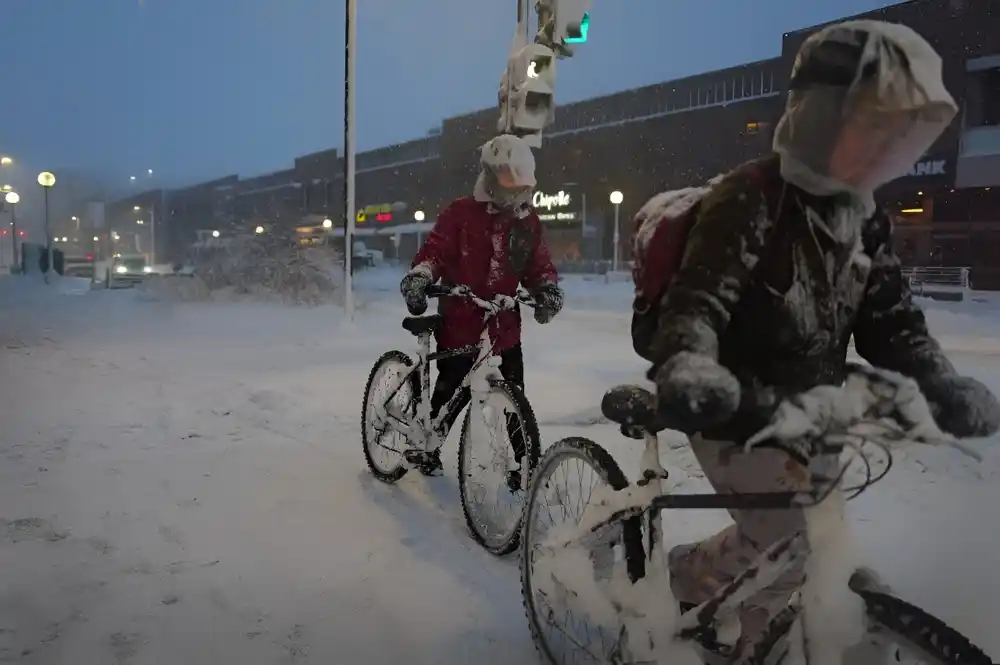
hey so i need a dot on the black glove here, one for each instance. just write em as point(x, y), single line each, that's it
point(695, 393)
point(962, 406)
point(414, 290)
point(548, 299)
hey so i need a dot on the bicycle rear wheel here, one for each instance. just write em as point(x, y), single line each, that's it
point(383, 446)
point(560, 634)
point(498, 528)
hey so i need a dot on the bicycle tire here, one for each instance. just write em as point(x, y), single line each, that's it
point(609, 471)
point(533, 447)
point(396, 474)
point(923, 631)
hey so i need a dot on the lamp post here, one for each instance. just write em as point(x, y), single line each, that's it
point(152, 230)
point(616, 200)
point(6, 161)
point(13, 199)
point(47, 180)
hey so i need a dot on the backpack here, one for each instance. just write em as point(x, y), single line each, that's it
point(659, 238)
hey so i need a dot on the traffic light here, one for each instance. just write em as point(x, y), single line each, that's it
point(527, 93)
point(562, 24)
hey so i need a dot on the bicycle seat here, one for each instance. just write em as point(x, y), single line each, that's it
point(421, 325)
point(633, 408)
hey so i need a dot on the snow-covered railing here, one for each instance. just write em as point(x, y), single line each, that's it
point(950, 283)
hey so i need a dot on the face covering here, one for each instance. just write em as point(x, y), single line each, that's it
point(867, 100)
point(499, 187)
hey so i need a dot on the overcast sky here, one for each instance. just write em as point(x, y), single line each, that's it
point(195, 89)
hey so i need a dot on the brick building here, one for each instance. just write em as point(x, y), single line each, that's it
point(669, 135)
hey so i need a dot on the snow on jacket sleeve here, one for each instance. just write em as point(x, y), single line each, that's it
point(441, 247)
point(890, 330)
point(722, 249)
point(541, 269)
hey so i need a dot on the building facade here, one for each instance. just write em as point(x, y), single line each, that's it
point(669, 135)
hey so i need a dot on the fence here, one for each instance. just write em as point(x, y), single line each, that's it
point(939, 283)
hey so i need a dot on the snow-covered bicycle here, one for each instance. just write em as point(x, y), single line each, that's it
point(399, 426)
point(606, 572)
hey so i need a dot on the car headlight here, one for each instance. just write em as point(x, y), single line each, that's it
point(147, 269)
point(121, 270)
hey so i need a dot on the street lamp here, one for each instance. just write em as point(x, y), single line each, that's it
point(616, 199)
point(327, 224)
point(419, 215)
point(6, 161)
point(47, 180)
point(12, 198)
point(152, 230)
point(259, 230)
point(215, 234)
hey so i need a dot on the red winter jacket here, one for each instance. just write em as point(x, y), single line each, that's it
point(470, 245)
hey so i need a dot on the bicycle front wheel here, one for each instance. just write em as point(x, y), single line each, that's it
point(493, 473)
point(918, 637)
point(561, 488)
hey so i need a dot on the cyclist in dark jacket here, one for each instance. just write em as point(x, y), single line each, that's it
point(776, 279)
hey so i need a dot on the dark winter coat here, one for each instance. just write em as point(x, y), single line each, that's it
point(773, 285)
point(476, 245)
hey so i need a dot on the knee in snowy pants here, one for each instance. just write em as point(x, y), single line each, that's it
point(699, 570)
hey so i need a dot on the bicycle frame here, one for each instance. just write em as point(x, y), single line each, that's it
point(649, 496)
point(421, 431)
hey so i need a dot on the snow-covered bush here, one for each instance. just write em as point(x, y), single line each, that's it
point(271, 267)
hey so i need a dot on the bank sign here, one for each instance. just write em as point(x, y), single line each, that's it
point(928, 167)
point(560, 207)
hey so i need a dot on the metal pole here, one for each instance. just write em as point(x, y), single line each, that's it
point(614, 267)
point(13, 234)
point(152, 234)
point(350, 37)
point(48, 237)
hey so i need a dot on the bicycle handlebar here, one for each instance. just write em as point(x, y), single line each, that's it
point(497, 304)
point(873, 403)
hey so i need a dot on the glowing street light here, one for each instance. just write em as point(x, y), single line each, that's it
point(616, 199)
point(259, 230)
point(13, 198)
point(327, 224)
point(149, 171)
point(132, 178)
point(419, 216)
point(47, 180)
point(136, 208)
point(6, 188)
point(215, 234)
point(139, 222)
point(97, 239)
point(6, 161)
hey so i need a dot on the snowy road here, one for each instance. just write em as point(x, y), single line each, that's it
point(185, 484)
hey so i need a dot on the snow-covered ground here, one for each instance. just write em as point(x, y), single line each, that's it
point(185, 484)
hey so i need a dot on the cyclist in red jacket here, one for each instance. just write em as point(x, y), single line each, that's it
point(490, 242)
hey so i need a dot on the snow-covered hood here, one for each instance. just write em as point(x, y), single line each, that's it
point(885, 69)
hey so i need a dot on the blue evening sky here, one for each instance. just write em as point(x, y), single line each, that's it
point(195, 89)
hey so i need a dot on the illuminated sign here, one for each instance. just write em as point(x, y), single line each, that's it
point(383, 212)
point(928, 167)
point(556, 207)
